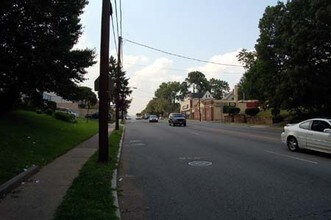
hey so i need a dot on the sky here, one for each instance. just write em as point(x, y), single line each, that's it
point(213, 30)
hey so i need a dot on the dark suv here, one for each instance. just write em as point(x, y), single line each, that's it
point(177, 119)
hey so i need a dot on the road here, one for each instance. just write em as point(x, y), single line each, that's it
point(217, 171)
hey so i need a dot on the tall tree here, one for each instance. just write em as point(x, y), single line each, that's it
point(293, 59)
point(218, 88)
point(36, 48)
point(198, 81)
point(86, 96)
point(124, 89)
point(169, 91)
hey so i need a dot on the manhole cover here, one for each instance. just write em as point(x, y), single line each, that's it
point(200, 163)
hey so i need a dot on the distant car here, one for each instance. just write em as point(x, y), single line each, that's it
point(153, 118)
point(313, 134)
point(177, 119)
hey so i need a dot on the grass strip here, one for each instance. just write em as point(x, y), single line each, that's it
point(28, 138)
point(90, 196)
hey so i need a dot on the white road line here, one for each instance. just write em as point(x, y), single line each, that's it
point(195, 133)
point(296, 158)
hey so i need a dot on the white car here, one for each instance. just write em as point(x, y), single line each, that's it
point(313, 134)
point(153, 118)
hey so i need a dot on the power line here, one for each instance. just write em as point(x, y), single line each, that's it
point(121, 18)
point(181, 56)
point(112, 23)
point(116, 18)
point(175, 69)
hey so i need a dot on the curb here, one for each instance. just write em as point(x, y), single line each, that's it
point(17, 180)
point(114, 179)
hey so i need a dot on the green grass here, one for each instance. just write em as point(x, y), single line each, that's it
point(28, 138)
point(90, 196)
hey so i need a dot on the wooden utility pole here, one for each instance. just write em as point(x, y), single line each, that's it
point(103, 83)
point(118, 83)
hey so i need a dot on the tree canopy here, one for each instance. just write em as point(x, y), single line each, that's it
point(36, 48)
point(292, 63)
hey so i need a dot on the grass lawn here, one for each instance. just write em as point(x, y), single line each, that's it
point(28, 138)
point(90, 196)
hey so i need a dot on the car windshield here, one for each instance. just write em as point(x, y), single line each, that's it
point(178, 115)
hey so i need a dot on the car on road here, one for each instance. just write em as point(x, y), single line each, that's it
point(313, 134)
point(177, 119)
point(153, 118)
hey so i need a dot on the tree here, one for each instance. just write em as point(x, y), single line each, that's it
point(218, 88)
point(169, 91)
point(293, 59)
point(36, 49)
point(198, 81)
point(86, 95)
point(123, 90)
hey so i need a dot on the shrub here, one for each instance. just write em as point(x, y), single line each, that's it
point(275, 111)
point(64, 116)
point(49, 111)
point(50, 105)
point(234, 110)
point(277, 119)
point(39, 111)
point(252, 111)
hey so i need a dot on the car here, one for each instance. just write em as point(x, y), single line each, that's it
point(177, 119)
point(313, 134)
point(96, 116)
point(67, 111)
point(153, 118)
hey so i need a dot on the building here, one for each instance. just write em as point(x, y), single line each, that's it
point(205, 108)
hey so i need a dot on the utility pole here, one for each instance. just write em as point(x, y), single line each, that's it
point(118, 86)
point(103, 83)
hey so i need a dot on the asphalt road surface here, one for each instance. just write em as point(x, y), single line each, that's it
point(217, 171)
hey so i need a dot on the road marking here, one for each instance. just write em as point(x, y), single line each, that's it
point(195, 133)
point(296, 158)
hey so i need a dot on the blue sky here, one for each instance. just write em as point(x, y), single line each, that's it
point(213, 30)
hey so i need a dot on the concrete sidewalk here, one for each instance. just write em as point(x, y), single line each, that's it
point(39, 197)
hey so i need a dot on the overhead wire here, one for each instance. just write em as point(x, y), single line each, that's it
point(117, 26)
point(112, 22)
point(181, 56)
point(175, 69)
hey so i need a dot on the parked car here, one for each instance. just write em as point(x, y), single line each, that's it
point(153, 118)
point(67, 111)
point(177, 119)
point(313, 134)
point(96, 116)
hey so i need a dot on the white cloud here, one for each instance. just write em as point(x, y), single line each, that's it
point(147, 80)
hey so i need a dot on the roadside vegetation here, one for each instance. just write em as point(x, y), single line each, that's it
point(28, 138)
point(90, 196)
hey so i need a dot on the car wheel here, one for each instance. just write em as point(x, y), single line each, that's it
point(184, 125)
point(292, 143)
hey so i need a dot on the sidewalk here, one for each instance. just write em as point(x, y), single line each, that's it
point(39, 197)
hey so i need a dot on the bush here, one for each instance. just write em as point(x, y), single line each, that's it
point(50, 105)
point(275, 112)
point(252, 111)
point(234, 111)
point(49, 111)
point(64, 116)
point(39, 111)
point(277, 119)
